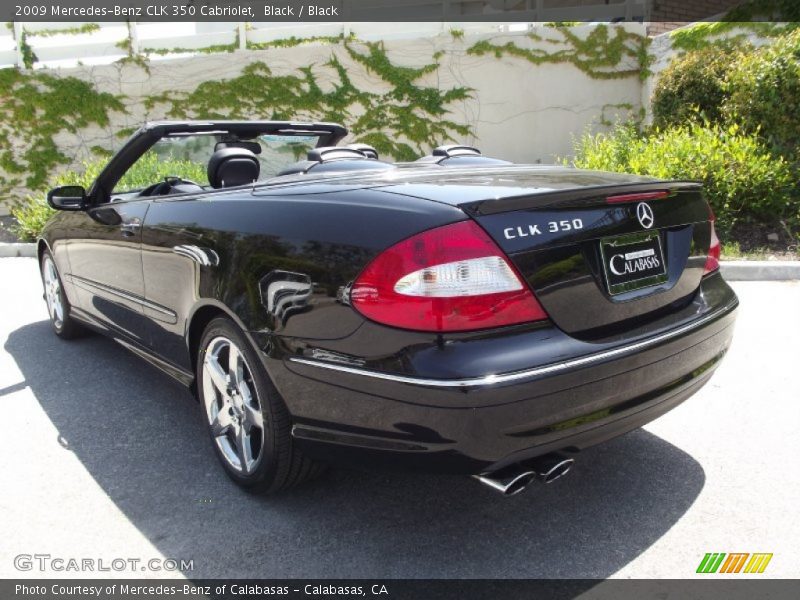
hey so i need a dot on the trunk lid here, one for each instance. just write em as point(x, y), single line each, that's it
point(604, 256)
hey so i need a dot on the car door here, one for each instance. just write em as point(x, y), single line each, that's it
point(105, 255)
point(178, 249)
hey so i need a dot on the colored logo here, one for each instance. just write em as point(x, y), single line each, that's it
point(736, 562)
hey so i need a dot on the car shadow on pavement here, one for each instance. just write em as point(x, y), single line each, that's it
point(140, 436)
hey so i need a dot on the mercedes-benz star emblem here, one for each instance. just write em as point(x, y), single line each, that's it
point(645, 214)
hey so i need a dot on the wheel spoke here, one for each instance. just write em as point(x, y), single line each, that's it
point(235, 366)
point(57, 306)
point(218, 376)
point(221, 422)
point(51, 305)
point(243, 450)
point(253, 417)
point(244, 391)
point(52, 292)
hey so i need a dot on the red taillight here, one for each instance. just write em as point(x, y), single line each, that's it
point(452, 278)
point(714, 250)
point(637, 197)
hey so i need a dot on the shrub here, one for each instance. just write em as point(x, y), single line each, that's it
point(31, 216)
point(607, 151)
point(765, 93)
point(32, 213)
point(742, 178)
point(152, 168)
point(693, 87)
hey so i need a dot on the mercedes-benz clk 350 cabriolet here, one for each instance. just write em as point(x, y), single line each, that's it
point(458, 313)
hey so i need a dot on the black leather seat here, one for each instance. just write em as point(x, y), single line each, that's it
point(229, 167)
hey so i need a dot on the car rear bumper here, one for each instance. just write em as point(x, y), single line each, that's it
point(484, 422)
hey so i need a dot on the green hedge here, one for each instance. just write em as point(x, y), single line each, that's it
point(729, 115)
point(742, 178)
point(693, 87)
point(33, 212)
point(764, 93)
point(735, 83)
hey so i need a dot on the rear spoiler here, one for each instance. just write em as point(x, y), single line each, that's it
point(574, 197)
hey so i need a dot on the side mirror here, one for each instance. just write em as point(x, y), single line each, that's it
point(67, 197)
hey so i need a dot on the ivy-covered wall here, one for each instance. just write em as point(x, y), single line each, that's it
point(517, 96)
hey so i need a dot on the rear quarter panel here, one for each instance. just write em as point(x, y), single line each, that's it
point(277, 261)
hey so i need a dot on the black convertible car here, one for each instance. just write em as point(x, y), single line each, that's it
point(458, 313)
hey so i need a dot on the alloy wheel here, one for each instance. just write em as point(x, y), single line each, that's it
point(232, 406)
point(52, 292)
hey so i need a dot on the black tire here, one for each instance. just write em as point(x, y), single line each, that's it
point(64, 326)
point(280, 465)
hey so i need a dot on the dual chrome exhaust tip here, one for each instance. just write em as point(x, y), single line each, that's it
point(514, 478)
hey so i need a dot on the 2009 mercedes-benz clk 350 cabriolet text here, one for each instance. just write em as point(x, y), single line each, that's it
point(458, 313)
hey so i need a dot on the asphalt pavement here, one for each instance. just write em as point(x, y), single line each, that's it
point(105, 458)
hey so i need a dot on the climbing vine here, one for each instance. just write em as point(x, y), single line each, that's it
point(598, 55)
point(212, 49)
point(85, 28)
point(28, 55)
point(293, 41)
point(637, 116)
point(289, 42)
point(403, 121)
point(34, 108)
point(131, 57)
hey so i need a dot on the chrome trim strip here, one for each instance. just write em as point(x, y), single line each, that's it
point(76, 279)
point(528, 373)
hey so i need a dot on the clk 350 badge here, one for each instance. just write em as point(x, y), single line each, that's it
point(521, 231)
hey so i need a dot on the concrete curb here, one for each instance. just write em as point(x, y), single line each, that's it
point(732, 270)
point(18, 249)
point(760, 270)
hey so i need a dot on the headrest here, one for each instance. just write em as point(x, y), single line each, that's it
point(456, 150)
point(229, 167)
point(459, 156)
point(365, 149)
point(254, 147)
point(326, 153)
point(355, 157)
